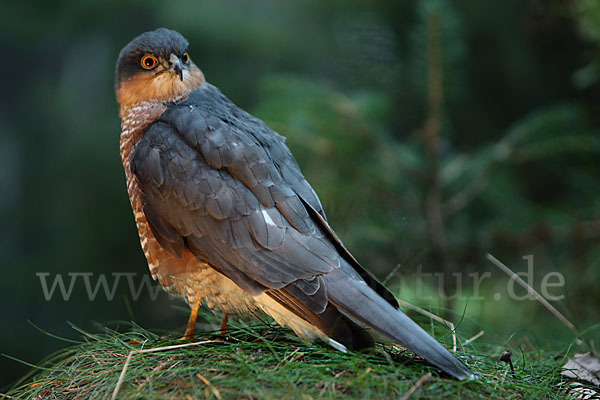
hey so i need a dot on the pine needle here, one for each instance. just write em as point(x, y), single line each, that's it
point(417, 386)
point(164, 348)
point(538, 296)
point(474, 337)
point(432, 316)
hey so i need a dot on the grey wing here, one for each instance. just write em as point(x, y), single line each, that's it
point(296, 181)
point(191, 198)
point(292, 194)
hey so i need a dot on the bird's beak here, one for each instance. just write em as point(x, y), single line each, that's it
point(176, 65)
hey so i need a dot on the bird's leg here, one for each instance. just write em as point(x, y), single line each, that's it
point(191, 325)
point(224, 324)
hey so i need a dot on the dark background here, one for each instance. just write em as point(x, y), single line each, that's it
point(485, 113)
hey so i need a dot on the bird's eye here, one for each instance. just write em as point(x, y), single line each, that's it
point(149, 62)
point(185, 58)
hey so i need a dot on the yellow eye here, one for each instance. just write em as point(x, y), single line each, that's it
point(149, 62)
point(185, 58)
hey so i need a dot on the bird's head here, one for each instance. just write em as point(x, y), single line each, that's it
point(155, 66)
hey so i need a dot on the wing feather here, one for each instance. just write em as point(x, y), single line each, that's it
point(219, 180)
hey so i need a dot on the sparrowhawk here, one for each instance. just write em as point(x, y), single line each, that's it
point(224, 213)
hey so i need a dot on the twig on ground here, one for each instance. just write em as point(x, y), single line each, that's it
point(284, 359)
point(422, 380)
point(432, 316)
point(538, 296)
point(474, 338)
point(391, 274)
point(261, 336)
point(156, 349)
point(529, 344)
point(298, 356)
point(212, 388)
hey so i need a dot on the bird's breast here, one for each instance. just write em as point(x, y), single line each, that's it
point(187, 276)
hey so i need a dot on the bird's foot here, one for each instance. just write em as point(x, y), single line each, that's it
point(224, 324)
point(190, 330)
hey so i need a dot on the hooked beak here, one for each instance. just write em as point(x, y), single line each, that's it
point(176, 65)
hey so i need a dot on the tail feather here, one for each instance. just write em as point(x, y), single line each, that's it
point(358, 301)
point(329, 322)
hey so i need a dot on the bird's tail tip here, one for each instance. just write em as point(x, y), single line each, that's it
point(361, 303)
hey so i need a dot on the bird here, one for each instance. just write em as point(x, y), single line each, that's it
point(225, 215)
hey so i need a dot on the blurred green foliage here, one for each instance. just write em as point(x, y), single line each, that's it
point(347, 83)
